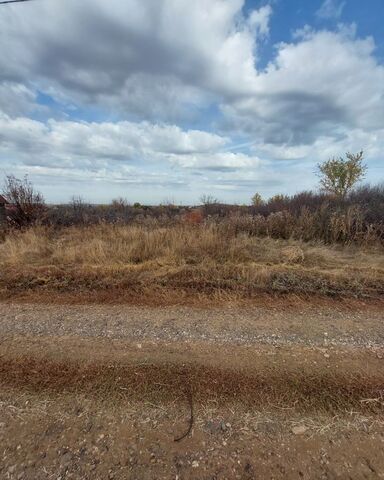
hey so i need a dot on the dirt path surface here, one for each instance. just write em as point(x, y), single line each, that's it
point(102, 392)
point(332, 325)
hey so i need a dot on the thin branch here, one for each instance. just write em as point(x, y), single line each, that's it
point(191, 418)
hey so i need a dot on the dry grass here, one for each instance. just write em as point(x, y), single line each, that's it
point(293, 377)
point(180, 260)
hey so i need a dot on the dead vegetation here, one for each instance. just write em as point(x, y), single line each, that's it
point(294, 376)
point(174, 262)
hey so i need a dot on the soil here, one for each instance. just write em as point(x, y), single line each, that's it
point(102, 392)
point(306, 324)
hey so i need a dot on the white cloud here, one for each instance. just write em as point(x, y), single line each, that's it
point(137, 56)
point(163, 64)
point(219, 161)
point(259, 20)
point(16, 98)
point(331, 9)
point(73, 144)
point(324, 83)
point(156, 63)
point(141, 155)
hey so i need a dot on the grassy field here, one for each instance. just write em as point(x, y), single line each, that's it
point(169, 264)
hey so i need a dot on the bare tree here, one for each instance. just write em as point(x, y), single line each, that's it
point(338, 175)
point(208, 200)
point(27, 206)
point(120, 203)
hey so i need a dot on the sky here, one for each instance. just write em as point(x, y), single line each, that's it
point(163, 101)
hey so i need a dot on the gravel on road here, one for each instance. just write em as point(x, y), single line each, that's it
point(309, 326)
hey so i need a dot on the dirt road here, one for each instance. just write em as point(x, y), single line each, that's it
point(103, 392)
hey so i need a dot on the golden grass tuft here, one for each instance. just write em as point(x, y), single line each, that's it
point(181, 260)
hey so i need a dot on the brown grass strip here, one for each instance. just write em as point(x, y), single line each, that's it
point(307, 389)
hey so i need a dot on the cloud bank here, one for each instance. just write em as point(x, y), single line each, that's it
point(173, 92)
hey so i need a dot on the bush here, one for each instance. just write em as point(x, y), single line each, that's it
point(27, 206)
point(257, 200)
point(194, 217)
point(338, 175)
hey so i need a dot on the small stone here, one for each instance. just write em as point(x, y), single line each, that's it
point(326, 355)
point(195, 464)
point(212, 426)
point(66, 459)
point(299, 430)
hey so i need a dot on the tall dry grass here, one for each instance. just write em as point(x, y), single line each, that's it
point(331, 227)
point(189, 259)
point(308, 216)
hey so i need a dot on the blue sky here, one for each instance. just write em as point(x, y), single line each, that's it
point(291, 15)
point(161, 100)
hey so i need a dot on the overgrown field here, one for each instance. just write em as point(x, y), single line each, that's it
point(169, 264)
point(309, 216)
